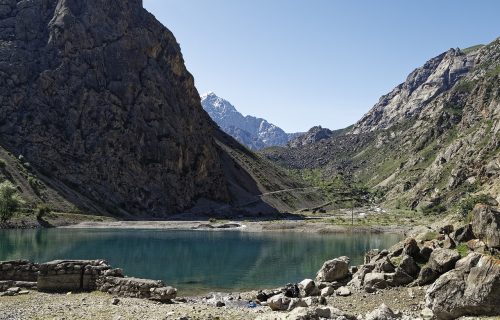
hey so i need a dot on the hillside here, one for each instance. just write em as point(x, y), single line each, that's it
point(99, 114)
point(255, 133)
point(430, 143)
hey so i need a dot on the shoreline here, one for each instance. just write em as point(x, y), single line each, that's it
point(242, 226)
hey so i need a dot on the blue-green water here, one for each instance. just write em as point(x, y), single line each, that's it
point(196, 261)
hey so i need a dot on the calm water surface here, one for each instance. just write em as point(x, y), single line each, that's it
point(196, 261)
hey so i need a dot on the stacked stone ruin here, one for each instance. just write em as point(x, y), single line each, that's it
point(80, 276)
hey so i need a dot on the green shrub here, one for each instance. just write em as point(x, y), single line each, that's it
point(3, 164)
point(9, 200)
point(466, 205)
point(463, 250)
point(42, 210)
point(436, 209)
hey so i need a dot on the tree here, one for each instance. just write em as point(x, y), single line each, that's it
point(9, 200)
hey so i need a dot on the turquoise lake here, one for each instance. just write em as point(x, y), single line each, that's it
point(196, 261)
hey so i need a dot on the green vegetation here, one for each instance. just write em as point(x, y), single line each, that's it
point(10, 201)
point(3, 164)
point(396, 261)
point(463, 250)
point(428, 236)
point(434, 210)
point(466, 205)
point(42, 210)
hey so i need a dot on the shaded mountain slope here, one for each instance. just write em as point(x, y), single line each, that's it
point(95, 96)
point(430, 142)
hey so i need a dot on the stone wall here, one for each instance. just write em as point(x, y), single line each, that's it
point(72, 275)
point(19, 270)
point(137, 288)
point(81, 275)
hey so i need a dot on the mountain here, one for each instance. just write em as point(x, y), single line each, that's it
point(255, 133)
point(429, 143)
point(98, 111)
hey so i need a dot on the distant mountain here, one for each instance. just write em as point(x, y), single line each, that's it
point(255, 133)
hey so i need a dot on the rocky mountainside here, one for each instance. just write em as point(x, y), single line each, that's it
point(97, 106)
point(255, 133)
point(432, 141)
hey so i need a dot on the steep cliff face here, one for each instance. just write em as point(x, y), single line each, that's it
point(420, 88)
point(432, 141)
point(95, 95)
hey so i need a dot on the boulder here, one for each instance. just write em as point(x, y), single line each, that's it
point(446, 229)
point(358, 278)
point(384, 265)
point(427, 275)
point(315, 313)
point(463, 234)
point(296, 303)
point(486, 225)
point(332, 270)
point(311, 301)
point(411, 247)
point(327, 291)
point(375, 280)
point(448, 243)
point(291, 290)
point(425, 254)
point(308, 288)
point(471, 289)
point(398, 278)
point(343, 292)
point(382, 313)
point(443, 260)
point(476, 245)
point(440, 261)
point(279, 302)
point(409, 266)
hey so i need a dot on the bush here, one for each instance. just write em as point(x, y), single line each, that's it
point(42, 210)
point(466, 205)
point(3, 164)
point(9, 200)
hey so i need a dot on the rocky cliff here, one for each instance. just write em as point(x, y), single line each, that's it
point(432, 141)
point(94, 95)
point(255, 133)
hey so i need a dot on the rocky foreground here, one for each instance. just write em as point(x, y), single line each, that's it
point(448, 273)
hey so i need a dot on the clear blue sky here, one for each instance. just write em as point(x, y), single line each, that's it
point(300, 63)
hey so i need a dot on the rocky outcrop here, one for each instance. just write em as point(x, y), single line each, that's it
point(314, 135)
point(420, 88)
point(486, 225)
point(471, 289)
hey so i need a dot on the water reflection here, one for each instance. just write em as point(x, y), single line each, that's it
point(195, 261)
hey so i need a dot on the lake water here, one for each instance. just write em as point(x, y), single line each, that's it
point(196, 261)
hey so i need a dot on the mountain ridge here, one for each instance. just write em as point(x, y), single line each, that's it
point(430, 143)
point(255, 133)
